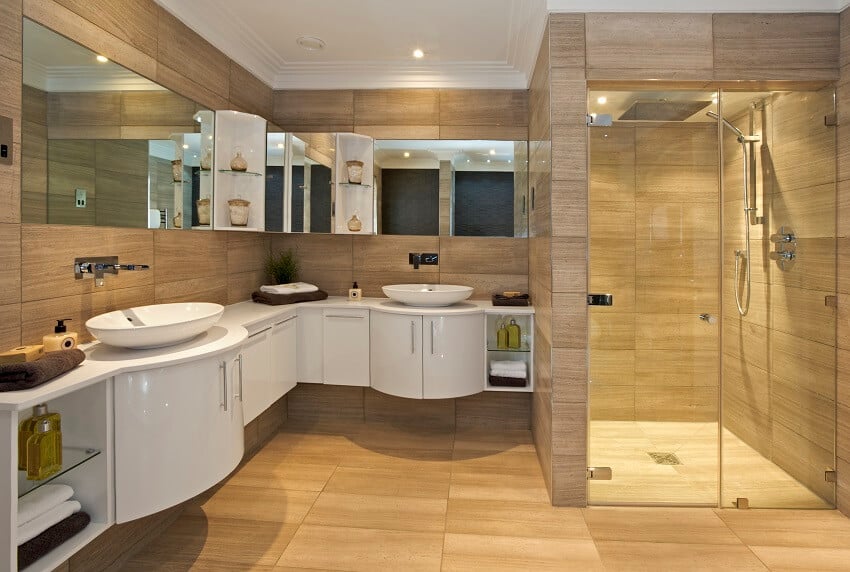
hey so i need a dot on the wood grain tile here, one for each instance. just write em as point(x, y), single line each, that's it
point(333, 402)
point(246, 251)
point(187, 53)
point(313, 108)
point(784, 558)
point(251, 503)
point(518, 519)
point(460, 254)
point(156, 108)
point(430, 484)
point(569, 208)
point(566, 40)
point(483, 107)
point(188, 255)
point(390, 253)
point(322, 251)
point(511, 553)
point(496, 487)
point(249, 93)
point(378, 512)
point(134, 24)
point(397, 107)
point(656, 524)
point(655, 555)
point(485, 285)
point(399, 131)
point(363, 549)
point(428, 414)
point(10, 18)
point(812, 529)
point(10, 264)
point(240, 285)
point(497, 410)
point(10, 325)
point(210, 289)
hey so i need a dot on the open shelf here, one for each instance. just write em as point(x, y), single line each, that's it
point(61, 553)
point(240, 173)
point(72, 457)
point(245, 228)
point(355, 185)
point(527, 389)
point(522, 349)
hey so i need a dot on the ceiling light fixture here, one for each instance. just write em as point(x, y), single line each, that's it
point(407, 154)
point(102, 59)
point(601, 100)
point(418, 54)
point(492, 151)
point(185, 146)
point(311, 43)
point(280, 145)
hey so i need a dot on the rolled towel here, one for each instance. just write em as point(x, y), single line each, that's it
point(512, 365)
point(291, 288)
point(41, 500)
point(16, 376)
point(44, 521)
point(280, 299)
point(32, 550)
point(511, 374)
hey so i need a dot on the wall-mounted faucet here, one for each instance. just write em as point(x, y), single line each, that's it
point(99, 266)
point(424, 258)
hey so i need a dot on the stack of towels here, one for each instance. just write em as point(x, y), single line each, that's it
point(47, 517)
point(514, 369)
point(291, 288)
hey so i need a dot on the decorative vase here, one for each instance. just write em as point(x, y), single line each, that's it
point(354, 223)
point(178, 220)
point(177, 170)
point(206, 160)
point(238, 211)
point(203, 211)
point(355, 171)
point(238, 163)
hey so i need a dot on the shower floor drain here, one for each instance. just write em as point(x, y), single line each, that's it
point(665, 458)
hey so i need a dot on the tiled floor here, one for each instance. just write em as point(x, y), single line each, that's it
point(624, 446)
point(383, 498)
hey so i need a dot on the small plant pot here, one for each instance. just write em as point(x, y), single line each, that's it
point(239, 211)
point(203, 211)
point(355, 171)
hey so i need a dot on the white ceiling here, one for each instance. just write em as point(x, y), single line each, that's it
point(468, 43)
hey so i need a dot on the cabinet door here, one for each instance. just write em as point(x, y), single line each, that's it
point(256, 374)
point(309, 345)
point(346, 347)
point(452, 356)
point(283, 350)
point(178, 431)
point(397, 354)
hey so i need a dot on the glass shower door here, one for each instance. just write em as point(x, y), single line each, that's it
point(655, 245)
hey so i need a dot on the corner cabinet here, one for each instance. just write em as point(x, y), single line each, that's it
point(427, 356)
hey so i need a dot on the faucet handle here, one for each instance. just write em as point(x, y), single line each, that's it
point(132, 267)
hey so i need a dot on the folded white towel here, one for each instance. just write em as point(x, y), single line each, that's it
point(41, 523)
point(512, 365)
point(42, 500)
point(291, 288)
point(512, 374)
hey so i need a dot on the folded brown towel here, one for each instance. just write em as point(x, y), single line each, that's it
point(35, 548)
point(17, 376)
point(279, 299)
point(499, 381)
point(519, 300)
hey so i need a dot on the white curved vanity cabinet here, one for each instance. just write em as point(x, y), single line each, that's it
point(427, 355)
point(178, 431)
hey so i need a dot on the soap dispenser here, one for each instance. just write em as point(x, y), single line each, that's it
point(355, 292)
point(514, 335)
point(61, 338)
point(44, 452)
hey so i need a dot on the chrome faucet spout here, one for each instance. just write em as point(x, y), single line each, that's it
point(417, 259)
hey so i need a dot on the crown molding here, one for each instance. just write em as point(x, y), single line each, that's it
point(715, 6)
point(525, 33)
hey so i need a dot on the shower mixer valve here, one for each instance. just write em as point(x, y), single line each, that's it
point(786, 248)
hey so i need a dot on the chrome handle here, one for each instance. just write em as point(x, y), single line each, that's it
point(789, 237)
point(785, 255)
point(223, 367)
point(705, 317)
point(255, 334)
point(239, 395)
point(433, 327)
point(412, 337)
point(286, 321)
point(341, 316)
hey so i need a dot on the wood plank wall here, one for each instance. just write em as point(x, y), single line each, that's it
point(843, 247)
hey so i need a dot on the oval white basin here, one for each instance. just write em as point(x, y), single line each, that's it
point(155, 326)
point(427, 294)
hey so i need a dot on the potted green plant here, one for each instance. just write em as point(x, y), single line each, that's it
point(282, 267)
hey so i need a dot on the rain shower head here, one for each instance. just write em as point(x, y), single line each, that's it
point(734, 129)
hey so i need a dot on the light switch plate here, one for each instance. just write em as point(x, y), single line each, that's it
point(80, 198)
point(6, 149)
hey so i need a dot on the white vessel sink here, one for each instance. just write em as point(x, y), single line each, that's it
point(427, 294)
point(156, 326)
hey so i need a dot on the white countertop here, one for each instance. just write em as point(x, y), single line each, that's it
point(238, 320)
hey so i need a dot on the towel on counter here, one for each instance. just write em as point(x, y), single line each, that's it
point(507, 373)
point(41, 500)
point(291, 288)
point(279, 299)
point(16, 376)
point(34, 549)
point(44, 521)
point(508, 365)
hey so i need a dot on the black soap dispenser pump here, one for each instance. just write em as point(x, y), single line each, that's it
point(355, 292)
point(61, 338)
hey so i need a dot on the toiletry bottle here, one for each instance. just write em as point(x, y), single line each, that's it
point(26, 429)
point(514, 335)
point(61, 338)
point(43, 450)
point(355, 292)
point(502, 336)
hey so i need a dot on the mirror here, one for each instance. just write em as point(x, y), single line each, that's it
point(446, 187)
point(310, 197)
point(102, 145)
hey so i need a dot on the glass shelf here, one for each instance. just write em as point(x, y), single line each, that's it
point(240, 173)
point(523, 349)
point(72, 457)
point(355, 185)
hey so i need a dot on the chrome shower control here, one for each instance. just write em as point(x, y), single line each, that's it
point(783, 238)
point(786, 247)
point(783, 255)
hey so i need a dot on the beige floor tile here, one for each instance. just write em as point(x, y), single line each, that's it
point(783, 558)
point(510, 518)
point(251, 503)
point(216, 543)
point(387, 437)
point(508, 462)
point(493, 440)
point(492, 486)
point(658, 524)
point(387, 482)
point(658, 556)
point(382, 512)
point(367, 550)
point(496, 553)
point(267, 472)
point(398, 459)
point(197, 566)
point(809, 528)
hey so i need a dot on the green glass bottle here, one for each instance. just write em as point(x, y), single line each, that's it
point(514, 335)
point(43, 452)
point(502, 337)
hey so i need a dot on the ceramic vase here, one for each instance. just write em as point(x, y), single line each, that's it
point(355, 171)
point(238, 163)
point(238, 211)
point(177, 170)
point(203, 211)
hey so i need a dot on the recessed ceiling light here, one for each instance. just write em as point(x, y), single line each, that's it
point(102, 59)
point(714, 98)
point(417, 53)
point(406, 154)
point(311, 43)
point(488, 160)
point(601, 100)
point(280, 145)
point(185, 146)
point(492, 151)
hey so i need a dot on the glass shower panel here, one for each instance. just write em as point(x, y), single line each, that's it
point(778, 363)
point(655, 245)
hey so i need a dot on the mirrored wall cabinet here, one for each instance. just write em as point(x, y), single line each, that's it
point(239, 172)
point(354, 211)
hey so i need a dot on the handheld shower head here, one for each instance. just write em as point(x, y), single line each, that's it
point(734, 129)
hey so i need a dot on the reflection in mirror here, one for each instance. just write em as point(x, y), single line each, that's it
point(312, 175)
point(100, 144)
point(462, 188)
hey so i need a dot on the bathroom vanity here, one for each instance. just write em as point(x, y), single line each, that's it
point(145, 430)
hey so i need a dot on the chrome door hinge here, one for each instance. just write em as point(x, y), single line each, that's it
point(830, 476)
point(599, 474)
point(599, 119)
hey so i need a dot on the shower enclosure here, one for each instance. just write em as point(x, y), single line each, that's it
point(712, 223)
